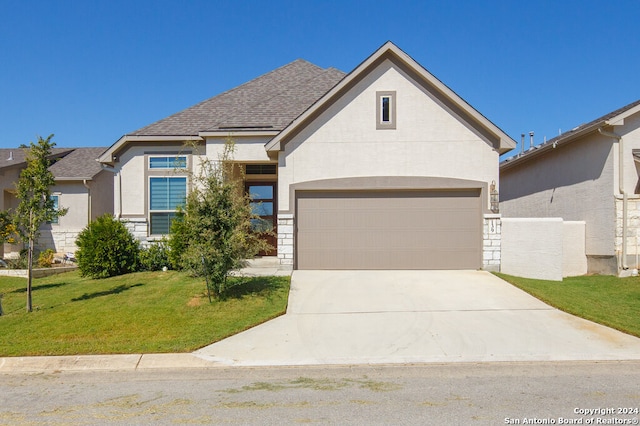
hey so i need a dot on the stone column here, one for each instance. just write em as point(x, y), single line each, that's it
point(285, 239)
point(492, 242)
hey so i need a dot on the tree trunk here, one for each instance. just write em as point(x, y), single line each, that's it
point(29, 277)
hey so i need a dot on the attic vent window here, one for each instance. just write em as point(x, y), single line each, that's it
point(260, 169)
point(386, 110)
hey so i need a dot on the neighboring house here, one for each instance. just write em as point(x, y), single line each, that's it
point(382, 168)
point(81, 185)
point(590, 174)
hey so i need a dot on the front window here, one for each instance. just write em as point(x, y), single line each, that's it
point(168, 162)
point(55, 200)
point(386, 110)
point(262, 205)
point(166, 194)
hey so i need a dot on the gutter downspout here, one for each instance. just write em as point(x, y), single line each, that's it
point(86, 185)
point(113, 170)
point(622, 191)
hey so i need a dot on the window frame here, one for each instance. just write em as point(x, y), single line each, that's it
point(56, 219)
point(390, 123)
point(175, 158)
point(169, 212)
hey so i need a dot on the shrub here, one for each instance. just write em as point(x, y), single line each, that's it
point(45, 258)
point(106, 248)
point(178, 241)
point(155, 257)
point(20, 262)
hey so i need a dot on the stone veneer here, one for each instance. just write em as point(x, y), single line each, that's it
point(138, 228)
point(491, 242)
point(633, 228)
point(60, 241)
point(285, 239)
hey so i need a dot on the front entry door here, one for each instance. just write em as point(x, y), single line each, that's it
point(263, 204)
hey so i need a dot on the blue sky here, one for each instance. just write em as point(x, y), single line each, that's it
point(90, 71)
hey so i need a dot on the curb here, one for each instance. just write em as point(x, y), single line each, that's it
point(130, 362)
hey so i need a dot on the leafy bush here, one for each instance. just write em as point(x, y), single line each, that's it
point(45, 258)
point(155, 257)
point(106, 248)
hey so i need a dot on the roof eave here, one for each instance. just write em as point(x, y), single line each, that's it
point(107, 156)
point(619, 119)
point(238, 132)
point(551, 144)
point(73, 178)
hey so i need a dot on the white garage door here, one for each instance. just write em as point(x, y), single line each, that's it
point(422, 229)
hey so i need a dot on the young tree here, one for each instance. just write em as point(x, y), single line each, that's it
point(35, 204)
point(214, 235)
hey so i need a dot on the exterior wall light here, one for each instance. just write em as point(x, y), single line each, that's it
point(495, 199)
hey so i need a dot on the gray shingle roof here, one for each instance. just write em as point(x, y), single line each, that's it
point(271, 101)
point(78, 164)
point(565, 137)
point(11, 157)
point(71, 163)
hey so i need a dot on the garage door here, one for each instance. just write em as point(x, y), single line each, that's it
point(388, 230)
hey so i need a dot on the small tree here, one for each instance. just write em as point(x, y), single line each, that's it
point(35, 204)
point(106, 248)
point(213, 235)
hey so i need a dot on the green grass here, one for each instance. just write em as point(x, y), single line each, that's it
point(608, 300)
point(147, 312)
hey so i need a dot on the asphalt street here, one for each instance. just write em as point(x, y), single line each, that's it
point(457, 394)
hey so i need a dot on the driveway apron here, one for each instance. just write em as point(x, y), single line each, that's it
point(369, 317)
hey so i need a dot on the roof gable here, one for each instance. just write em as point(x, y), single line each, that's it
point(446, 96)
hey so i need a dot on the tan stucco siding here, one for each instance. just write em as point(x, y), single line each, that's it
point(574, 182)
point(8, 180)
point(101, 194)
point(132, 170)
point(74, 197)
point(630, 133)
point(344, 141)
point(247, 149)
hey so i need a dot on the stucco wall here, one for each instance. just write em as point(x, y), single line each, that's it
point(247, 148)
point(532, 248)
point(574, 258)
point(543, 248)
point(344, 142)
point(630, 131)
point(8, 179)
point(130, 182)
point(101, 194)
point(74, 197)
point(573, 182)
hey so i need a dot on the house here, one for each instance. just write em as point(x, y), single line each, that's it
point(81, 185)
point(382, 168)
point(590, 174)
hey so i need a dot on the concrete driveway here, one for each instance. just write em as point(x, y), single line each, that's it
point(363, 317)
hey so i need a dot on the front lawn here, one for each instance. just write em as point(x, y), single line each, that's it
point(147, 312)
point(608, 300)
